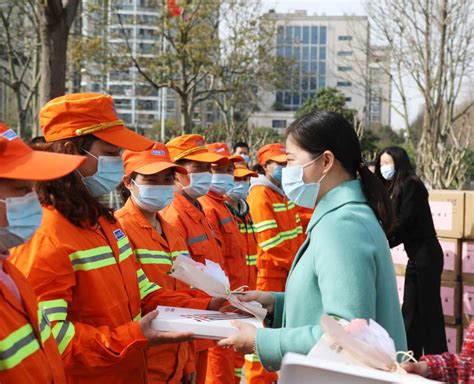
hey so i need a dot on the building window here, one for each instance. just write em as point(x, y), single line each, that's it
point(322, 35)
point(344, 68)
point(278, 123)
point(122, 103)
point(348, 99)
point(147, 105)
point(344, 53)
point(344, 38)
point(344, 84)
point(314, 35)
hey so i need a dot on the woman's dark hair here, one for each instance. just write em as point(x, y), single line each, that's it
point(321, 131)
point(68, 194)
point(404, 170)
point(123, 191)
point(258, 168)
point(240, 144)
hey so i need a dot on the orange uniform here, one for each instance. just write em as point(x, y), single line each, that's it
point(221, 365)
point(92, 289)
point(233, 249)
point(305, 216)
point(28, 351)
point(279, 236)
point(188, 219)
point(155, 253)
point(244, 220)
point(190, 223)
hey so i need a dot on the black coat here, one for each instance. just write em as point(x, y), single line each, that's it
point(415, 228)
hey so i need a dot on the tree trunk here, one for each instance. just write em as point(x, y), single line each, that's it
point(53, 61)
point(186, 116)
point(56, 21)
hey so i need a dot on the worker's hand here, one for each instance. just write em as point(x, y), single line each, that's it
point(189, 378)
point(243, 341)
point(420, 368)
point(265, 298)
point(155, 337)
point(216, 303)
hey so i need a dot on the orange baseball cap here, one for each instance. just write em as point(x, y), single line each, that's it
point(149, 162)
point(241, 170)
point(19, 161)
point(223, 150)
point(275, 152)
point(192, 147)
point(80, 114)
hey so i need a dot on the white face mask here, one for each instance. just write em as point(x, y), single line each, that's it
point(302, 194)
point(24, 215)
point(240, 190)
point(221, 183)
point(199, 184)
point(153, 198)
point(387, 171)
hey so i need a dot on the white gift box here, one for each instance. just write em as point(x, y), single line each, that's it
point(303, 369)
point(204, 324)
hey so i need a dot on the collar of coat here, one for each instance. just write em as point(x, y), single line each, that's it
point(345, 193)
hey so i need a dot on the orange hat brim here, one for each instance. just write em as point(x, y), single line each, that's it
point(124, 138)
point(237, 159)
point(206, 157)
point(279, 158)
point(242, 172)
point(41, 166)
point(159, 166)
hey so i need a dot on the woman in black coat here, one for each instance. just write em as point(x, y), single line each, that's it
point(422, 310)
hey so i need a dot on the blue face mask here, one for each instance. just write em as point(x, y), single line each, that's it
point(277, 172)
point(199, 184)
point(240, 190)
point(153, 198)
point(387, 171)
point(221, 183)
point(246, 158)
point(301, 193)
point(108, 176)
point(24, 215)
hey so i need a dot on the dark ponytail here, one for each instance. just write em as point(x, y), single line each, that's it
point(321, 131)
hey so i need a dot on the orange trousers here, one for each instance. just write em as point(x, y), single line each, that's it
point(253, 369)
point(220, 366)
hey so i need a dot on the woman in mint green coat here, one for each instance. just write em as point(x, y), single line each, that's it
point(344, 268)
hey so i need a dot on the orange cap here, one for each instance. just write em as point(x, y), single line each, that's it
point(19, 161)
point(192, 147)
point(223, 150)
point(275, 152)
point(241, 170)
point(80, 114)
point(149, 162)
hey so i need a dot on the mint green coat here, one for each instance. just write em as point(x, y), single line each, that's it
point(343, 269)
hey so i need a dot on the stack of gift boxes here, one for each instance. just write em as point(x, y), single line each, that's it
point(453, 217)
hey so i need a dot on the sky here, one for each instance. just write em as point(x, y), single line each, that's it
point(334, 8)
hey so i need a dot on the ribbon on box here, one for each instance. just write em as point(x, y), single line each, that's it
point(360, 342)
point(211, 279)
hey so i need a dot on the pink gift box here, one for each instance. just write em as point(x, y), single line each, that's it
point(453, 338)
point(399, 256)
point(400, 287)
point(467, 255)
point(448, 300)
point(451, 301)
point(450, 252)
point(468, 300)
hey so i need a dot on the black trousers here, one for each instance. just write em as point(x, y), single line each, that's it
point(422, 309)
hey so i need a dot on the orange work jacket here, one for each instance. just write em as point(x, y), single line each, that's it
point(28, 350)
point(93, 291)
point(278, 229)
point(305, 215)
point(188, 219)
point(244, 220)
point(233, 249)
point(155, 253)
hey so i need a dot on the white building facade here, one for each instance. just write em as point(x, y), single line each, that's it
point(326, 51)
